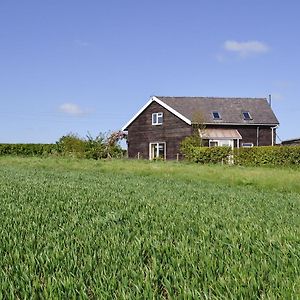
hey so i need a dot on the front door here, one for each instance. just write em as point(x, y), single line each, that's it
point(157, 150)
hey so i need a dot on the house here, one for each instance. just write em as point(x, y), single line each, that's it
point(157, 129)
point(291, 142)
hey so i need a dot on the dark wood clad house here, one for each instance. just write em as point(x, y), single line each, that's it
point(163, 122)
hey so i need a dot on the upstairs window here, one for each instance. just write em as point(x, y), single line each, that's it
point(216, 115)
point(247, 115)
point(157, 118)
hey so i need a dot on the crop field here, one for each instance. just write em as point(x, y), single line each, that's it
point(79, 229)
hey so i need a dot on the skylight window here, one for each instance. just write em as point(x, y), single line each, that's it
point(247, 115)
point(216, 115)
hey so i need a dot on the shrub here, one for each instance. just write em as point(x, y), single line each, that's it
point(187, 144)
point(102, 146)
point(273, 156)
point(71, 145)
point(28, 149)
point(206, 155)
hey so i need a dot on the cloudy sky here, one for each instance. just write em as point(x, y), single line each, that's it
point(88, 66)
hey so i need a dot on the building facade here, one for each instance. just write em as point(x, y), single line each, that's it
point(163, 122)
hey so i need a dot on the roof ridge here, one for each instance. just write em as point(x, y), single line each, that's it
point(212, 97)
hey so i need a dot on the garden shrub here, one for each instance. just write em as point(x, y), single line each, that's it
point(69, 145)
point(268, 155)
point(206, 155)
point(28, 149)
point(255, 156)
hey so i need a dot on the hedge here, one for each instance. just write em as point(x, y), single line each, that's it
point(268, 155)
point(28, 149)
point(70, 148)
point(255, 156)
point(212, 155)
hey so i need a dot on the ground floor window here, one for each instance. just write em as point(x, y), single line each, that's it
point(157, 150)
point(220, 143)
point(247, 145)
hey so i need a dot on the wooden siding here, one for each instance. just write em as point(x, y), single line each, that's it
point(258, 135)
point(141, 132)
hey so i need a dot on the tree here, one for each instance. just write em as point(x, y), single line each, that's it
point(198, 123)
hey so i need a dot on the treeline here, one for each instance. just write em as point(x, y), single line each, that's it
point(71, 145)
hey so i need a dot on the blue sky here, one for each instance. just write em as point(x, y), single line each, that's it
point(88, 66)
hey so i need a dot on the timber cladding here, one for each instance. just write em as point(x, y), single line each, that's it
point(141, 132)
point(258, 135)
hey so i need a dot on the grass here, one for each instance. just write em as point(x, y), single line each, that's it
point(279, 179)
point(141, 230)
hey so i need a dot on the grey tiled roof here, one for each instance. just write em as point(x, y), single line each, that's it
point(230, 109)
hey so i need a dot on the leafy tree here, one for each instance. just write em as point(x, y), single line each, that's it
point(71, 145)
point(198, 123)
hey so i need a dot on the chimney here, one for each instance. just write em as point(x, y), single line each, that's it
point(270, 100)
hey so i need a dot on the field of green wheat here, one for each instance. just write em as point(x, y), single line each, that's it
point(80, 229)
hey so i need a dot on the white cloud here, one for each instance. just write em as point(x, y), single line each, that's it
point(246, 48)
point(72, 109)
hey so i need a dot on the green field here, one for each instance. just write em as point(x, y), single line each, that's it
point(79, 229)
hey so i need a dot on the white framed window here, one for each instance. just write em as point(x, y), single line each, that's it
point(247, 145)
point(157, 150)
point(157, 118)
point(221, 143)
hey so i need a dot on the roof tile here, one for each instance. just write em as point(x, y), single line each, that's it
point(230, 109)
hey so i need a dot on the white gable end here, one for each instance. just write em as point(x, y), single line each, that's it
point(167, 107)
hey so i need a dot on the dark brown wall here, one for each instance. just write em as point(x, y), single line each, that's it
point(249, 134)
point(141, 132)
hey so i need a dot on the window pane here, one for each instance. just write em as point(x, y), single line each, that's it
point(225, 143)
point(246, 115)
point(153, 152)
point(216, 115)
point(154, 118)
point(161, 150)
point(213, 144)
point(160, 118)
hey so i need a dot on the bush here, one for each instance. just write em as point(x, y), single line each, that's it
point(272, 156)
point(187, 145)
point(102, 146)
point(69, 145)
point(255, 156)
point(28, 149)
point(206, 155)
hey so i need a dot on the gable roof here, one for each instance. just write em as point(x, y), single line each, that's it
point(163, 104)
point(230, 110)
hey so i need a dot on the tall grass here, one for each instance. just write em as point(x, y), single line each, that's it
point(280, 179)
point(138, 230)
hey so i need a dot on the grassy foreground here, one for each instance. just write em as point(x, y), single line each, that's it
point(140, 230)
